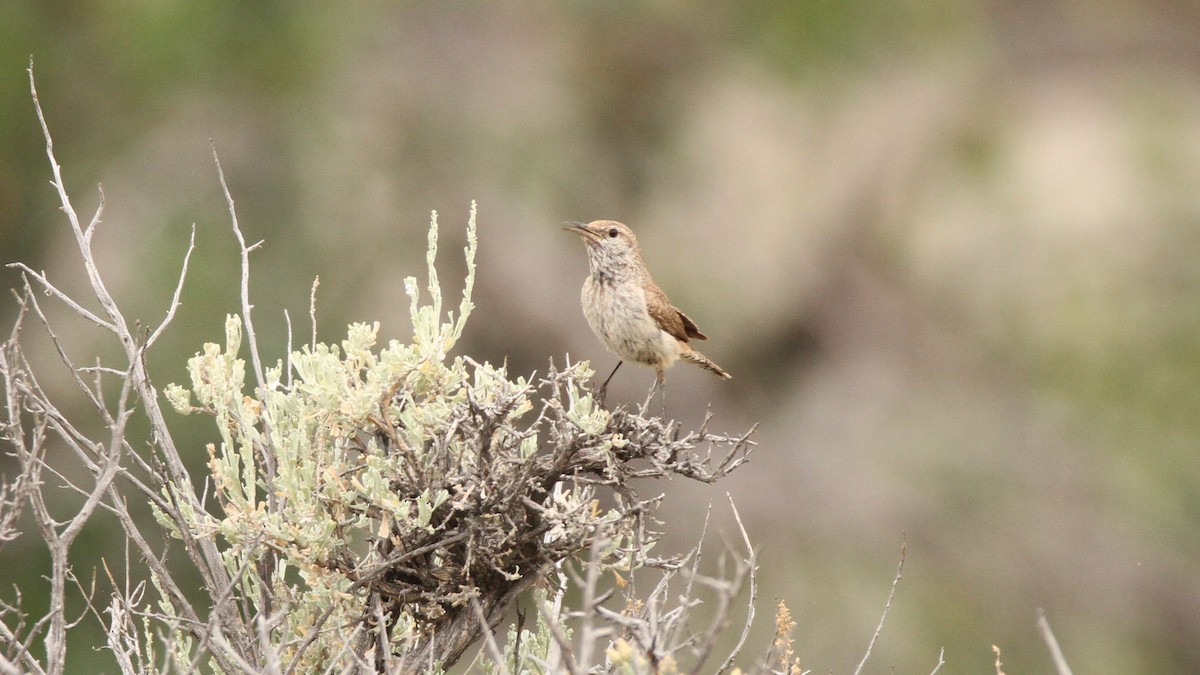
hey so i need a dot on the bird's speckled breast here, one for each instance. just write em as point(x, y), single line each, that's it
point(617, 314)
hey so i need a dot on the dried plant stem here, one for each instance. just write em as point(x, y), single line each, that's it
point(244, 251)
point(940, 662)
point(886, 607)
point(751, 567)
point(1060, 661)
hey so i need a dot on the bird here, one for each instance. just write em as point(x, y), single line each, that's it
point(628, 311)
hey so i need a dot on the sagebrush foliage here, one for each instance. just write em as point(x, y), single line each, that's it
point(381, 497)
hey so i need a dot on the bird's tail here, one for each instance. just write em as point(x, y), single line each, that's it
point(704, 362)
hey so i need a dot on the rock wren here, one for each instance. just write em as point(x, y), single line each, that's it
point(628, 311)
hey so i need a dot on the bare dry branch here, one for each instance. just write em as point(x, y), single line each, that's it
point(886, 607)
point(940, 662)
point(245, 254)
point(560, 639)
point(312, 311)
point(1060, 661)
point(751, 567)
point(178, 291)
point(489, 637)
point(202, 551)
point(66, 299)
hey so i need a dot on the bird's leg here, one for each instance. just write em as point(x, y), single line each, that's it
point(662, 392)
point(603, 390)
point(659, 386)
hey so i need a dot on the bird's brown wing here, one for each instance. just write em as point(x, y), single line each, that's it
point(668, 317)
point(690, 327)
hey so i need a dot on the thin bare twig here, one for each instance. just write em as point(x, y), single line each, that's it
point(587, 636)
point(489, 637)
point(83, 238)
point(178, 290)
point(1060, 661)
point(287, 319)
point(560, 639)
point(751, 566)
point(245, 285)
point(886, 607)
point(941, 661)
point(66, 299)
point(312, 311)
point(93, 396)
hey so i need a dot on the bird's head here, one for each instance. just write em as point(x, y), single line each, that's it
point(607, 240)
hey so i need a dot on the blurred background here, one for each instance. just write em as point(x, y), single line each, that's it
point(950, 251)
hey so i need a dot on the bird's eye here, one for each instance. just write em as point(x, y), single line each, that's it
point(612, 233)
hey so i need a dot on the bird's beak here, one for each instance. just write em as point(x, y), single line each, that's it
point(581, 229)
